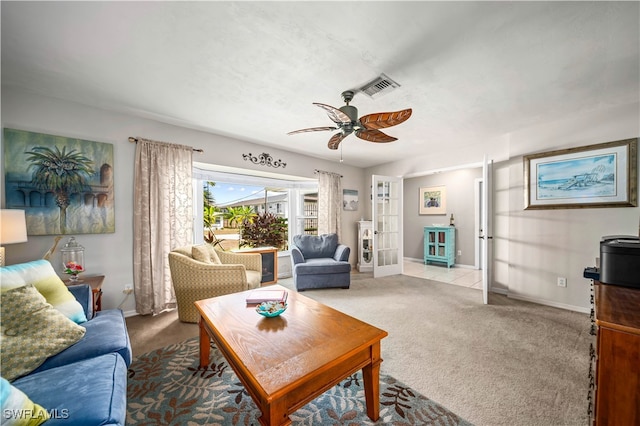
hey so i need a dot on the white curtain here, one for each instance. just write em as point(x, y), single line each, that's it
point(329, 203)
point(163, 220)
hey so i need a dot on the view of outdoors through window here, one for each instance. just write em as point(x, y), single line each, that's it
point(242, 216)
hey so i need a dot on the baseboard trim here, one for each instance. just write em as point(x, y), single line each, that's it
point(549, 303)
point(502, 291)
point(505, 292)
point(455, 265)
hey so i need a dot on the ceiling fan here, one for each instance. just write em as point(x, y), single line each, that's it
point(367, 127)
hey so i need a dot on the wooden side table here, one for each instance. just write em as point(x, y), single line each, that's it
point(95, 282)
point(269, 263)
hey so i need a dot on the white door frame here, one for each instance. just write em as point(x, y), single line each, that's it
point(477, 218)
point(479, 188)
point(487, 230)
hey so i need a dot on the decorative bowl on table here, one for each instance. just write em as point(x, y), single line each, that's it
point(271, 309)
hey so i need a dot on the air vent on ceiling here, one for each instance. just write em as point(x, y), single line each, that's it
point(379, 86)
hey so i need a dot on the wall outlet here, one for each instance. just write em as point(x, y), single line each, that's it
point(127, 289)
point(562, 282)
point(459, 252)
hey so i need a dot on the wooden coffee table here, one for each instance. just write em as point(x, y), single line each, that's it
point(287, 361)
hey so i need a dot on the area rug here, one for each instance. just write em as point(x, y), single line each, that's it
point(166, 387)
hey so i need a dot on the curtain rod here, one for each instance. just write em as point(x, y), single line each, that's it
point(135, 140)
point(316, 171)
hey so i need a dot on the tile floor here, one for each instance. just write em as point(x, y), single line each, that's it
point(465, 277)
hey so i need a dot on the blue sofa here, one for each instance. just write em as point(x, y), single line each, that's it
point(320, 261)
point(85, 384)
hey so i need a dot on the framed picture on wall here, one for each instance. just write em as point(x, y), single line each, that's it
point(64, 185)
point(433, 200)
point(601, 175)
point(350, 199)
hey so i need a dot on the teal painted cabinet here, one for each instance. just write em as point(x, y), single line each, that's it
point(440, 244)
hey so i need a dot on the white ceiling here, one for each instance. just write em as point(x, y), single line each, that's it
point(471, 71)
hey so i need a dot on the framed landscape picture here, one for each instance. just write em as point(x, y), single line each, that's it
point(433, 200)
point(64, 185)
point(601, 175)
point(350, 199)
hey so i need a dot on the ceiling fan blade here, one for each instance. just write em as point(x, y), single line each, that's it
point(335, 114)
point(375, 136)
point(312, 129)
point(385, 119)
point(336, 139)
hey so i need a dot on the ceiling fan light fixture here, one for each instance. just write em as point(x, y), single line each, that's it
point(350, 111)
point(366, 127)
point(379, 86)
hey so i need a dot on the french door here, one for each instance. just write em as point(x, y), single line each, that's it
point(387, 225)
point(486, 231)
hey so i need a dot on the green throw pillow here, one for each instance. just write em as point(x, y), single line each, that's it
point(17, 408)
point(41, 274)
point(31, 331)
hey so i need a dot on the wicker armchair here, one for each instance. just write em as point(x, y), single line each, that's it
point(200, 272)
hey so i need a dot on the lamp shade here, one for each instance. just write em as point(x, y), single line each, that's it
point(13, 226)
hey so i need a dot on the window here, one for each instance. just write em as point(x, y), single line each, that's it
point(235, 195)
point(308, 220)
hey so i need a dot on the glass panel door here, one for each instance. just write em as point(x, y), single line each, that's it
point(486, 237)
point(387, 225)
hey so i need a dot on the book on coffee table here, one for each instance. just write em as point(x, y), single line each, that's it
point(263, 295)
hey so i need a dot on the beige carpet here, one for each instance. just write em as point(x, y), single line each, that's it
point(508, 363)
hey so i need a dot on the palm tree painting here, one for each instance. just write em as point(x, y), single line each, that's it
point(65, 185)
point(64, 173)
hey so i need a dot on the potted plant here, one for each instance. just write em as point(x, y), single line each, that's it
point(265, 230)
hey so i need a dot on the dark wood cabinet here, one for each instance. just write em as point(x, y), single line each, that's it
point(617, 355)
point(95, 282)
point(269, 263)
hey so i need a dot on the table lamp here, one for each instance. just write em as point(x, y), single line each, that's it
point(13, 229)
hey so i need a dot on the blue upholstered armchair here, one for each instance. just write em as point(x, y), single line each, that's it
point(320, 261)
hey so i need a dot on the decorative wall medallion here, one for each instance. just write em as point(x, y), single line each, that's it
point(264, 159)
